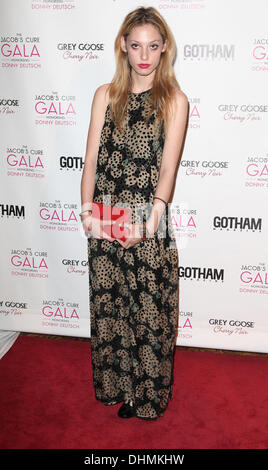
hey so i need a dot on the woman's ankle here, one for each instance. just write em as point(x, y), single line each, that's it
point(129, 402)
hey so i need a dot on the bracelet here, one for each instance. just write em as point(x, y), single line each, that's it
point(88, 210)
point(156, 197)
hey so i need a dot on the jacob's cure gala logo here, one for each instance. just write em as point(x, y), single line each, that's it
point(20, 52)
point(254, 279)
point(205, 168)
point(181, 4)
point(184, 221)
point(242, 224)
point(260, 55)
point(58, 215)
point(29, 263)
point(55, 109)
point(25, 162)
point(231, 327)
point(12, 308)
point(243, 112)
point(206, 52)
point(62, 5)
point(81, 51)
point(194, 113)
point(201, 274)
point(60, 313)
point(185, 325)
point(256, 171)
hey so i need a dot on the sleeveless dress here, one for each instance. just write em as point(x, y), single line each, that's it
point(133, 292)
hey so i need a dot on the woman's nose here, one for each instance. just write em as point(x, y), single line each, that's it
point(144, 54)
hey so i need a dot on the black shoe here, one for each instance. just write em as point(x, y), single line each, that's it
point(126, 411)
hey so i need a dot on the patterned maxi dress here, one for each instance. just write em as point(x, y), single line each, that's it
point(133, 292)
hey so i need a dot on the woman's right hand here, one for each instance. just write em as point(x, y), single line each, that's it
point(96, 227)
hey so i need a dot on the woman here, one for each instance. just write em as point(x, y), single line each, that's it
point(134, 142)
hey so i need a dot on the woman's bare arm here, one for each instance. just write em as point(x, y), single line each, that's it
point(174, 135)
point(98, 108)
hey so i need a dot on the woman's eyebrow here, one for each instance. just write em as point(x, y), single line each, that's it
point(155, 40)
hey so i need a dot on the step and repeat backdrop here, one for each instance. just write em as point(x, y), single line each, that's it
point(54, 54)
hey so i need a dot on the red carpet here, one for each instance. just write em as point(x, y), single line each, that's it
point(47, 402)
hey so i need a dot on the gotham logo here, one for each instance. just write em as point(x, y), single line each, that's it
point(237, 223)
point(197, 273)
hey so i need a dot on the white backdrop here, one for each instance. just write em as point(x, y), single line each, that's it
point(53, 57)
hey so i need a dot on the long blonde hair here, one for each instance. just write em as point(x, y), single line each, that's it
point(164, 79)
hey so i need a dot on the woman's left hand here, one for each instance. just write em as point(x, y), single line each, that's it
point(133, 235)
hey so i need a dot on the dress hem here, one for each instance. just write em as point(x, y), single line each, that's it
point(135, 415)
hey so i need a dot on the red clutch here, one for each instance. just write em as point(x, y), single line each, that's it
point(119, 215)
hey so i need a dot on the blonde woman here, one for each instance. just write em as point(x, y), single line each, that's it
point(134, 144)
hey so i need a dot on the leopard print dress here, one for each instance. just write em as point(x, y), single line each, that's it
point(133, 292)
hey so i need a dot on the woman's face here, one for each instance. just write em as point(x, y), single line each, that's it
point(144, 45)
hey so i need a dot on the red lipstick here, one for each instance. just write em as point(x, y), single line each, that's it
point(144, 66)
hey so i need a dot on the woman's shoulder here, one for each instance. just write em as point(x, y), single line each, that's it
point(103, 92)
point(179, 96)
point(180, 103)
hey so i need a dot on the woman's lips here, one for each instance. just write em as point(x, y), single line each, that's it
point(144, 66)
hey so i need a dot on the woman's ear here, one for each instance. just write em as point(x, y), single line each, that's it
point(165, 45)
point(123, 44)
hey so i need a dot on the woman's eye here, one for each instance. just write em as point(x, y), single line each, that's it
point(154, 46)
